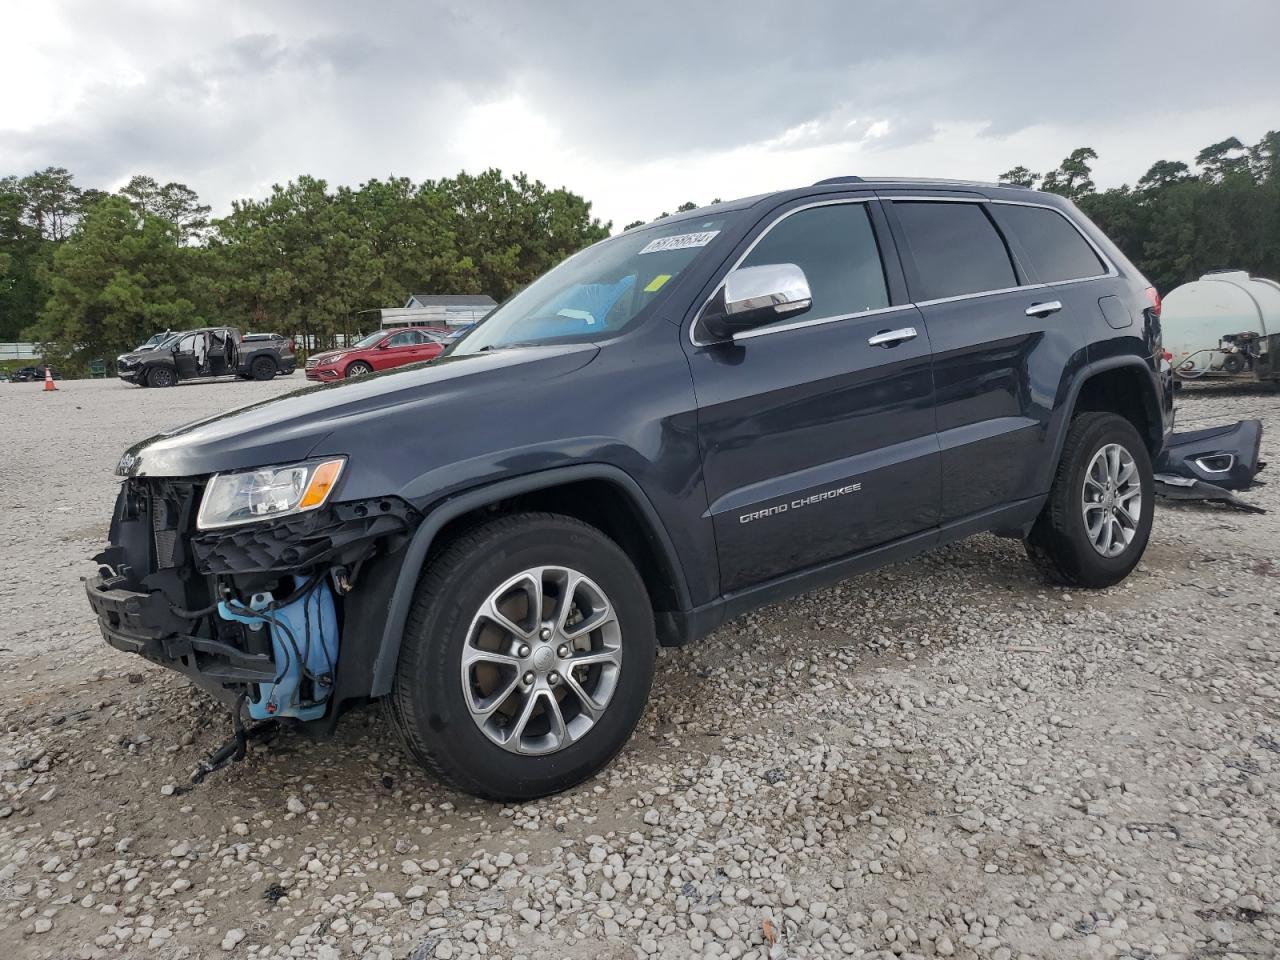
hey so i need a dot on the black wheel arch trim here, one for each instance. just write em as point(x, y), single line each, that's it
point(415, 553)
point(1151, 399)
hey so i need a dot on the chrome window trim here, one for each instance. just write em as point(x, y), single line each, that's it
point(813, 321)
point(981, 293)
point(1111, 270)
point(818, 321)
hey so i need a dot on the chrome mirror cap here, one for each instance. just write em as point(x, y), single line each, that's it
point(781, 287)
point(754, 296)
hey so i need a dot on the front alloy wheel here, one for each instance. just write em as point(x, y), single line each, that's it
point(161, 377)
point(542, 660)
point(527, 658)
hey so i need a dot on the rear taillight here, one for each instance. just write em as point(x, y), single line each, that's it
point(1154, 296)
point(293, 348)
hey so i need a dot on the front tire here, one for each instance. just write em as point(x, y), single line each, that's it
point(161, 377)
point(357, 368)
point(526, 660)
point(1096, 522)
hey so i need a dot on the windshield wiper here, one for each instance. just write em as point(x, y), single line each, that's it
point(507, 346)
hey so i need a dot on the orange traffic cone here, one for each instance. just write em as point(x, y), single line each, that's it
point(48, 379)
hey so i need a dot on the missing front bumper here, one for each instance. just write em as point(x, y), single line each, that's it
point(158, 591)
point(142, 623)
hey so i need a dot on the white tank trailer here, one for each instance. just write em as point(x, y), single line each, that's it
point(1226, 325)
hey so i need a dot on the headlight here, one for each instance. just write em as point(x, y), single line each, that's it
point(267, 492)
point(334, 359)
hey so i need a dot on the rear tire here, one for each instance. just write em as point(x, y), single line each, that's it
point(494, 734)
point(161, 377)
point(1096, 522)
point(262, 368)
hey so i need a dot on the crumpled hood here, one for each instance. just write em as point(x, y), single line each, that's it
point(290, 427)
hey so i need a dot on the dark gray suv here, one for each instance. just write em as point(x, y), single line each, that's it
point(673, 426)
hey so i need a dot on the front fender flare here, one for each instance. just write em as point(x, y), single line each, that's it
point(415, 553)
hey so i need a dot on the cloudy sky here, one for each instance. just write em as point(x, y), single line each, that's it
point(638, 105)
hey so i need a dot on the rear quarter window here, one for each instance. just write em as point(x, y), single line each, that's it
point(1055, 247)
point(956, 248)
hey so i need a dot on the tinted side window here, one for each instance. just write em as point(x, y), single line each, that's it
point(956, 248)
point(405, 339)
point(836, 248)
point(1056, 249)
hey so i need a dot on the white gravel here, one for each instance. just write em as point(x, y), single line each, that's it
point(945, 758)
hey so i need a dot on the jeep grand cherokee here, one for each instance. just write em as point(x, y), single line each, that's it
point(673, 426)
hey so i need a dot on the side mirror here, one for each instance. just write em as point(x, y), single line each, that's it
point(383, 345)
point(754, 296)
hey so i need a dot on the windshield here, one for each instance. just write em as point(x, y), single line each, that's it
point(168, 342)
point(369, 340)
point(597, 292)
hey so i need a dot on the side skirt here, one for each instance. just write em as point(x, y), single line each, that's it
point(1015, 518)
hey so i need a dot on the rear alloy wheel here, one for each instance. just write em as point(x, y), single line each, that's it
point(1111, 500)
point(161, 377)
point(358, 368)
point(527, 658)
point(263, 368)
point(1097, 519)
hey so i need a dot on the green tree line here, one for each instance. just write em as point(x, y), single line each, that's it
point(1178, 222)
point(89, 274)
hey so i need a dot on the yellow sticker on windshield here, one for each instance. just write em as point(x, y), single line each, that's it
point(656, 283)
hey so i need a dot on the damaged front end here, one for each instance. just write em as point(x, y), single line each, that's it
point(276, 613)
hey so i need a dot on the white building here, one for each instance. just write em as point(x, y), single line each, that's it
point(439, 310)
point(19, 351)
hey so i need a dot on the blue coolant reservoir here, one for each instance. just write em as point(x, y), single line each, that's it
point(302, 632)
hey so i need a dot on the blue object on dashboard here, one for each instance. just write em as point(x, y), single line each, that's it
point(302, 632)
point(583, 308)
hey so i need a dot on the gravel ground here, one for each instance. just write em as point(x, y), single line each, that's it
point(944, 758)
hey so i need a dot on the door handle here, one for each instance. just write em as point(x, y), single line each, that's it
point(891, 338)
point(1044, 309)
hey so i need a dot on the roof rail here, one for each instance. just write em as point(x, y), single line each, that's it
point(934, 181)
point(938, 181)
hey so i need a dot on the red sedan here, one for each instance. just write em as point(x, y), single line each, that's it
point(380, 350)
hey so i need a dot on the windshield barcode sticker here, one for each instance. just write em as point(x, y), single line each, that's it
point(681, 241)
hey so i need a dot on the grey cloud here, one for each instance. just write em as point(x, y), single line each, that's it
point(234, 97)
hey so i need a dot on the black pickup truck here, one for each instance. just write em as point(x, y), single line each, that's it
point(205, 354)
point(674, 426)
